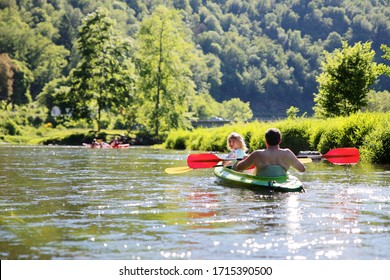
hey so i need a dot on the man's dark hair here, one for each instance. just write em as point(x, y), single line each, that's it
point(273, 136)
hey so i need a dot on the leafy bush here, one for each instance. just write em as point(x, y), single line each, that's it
point(11, 127)
point(376, 146)
point(330, 138)
point(347, 132)
point(177, 140)
point(296, 138)
point(195, 140)
point(367, 131)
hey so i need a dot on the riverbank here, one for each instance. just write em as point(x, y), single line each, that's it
point(369, 132)
point(73, 136)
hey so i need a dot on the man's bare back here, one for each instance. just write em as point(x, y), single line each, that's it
point(273, 155)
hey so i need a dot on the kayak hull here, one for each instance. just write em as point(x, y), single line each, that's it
point(287, 183)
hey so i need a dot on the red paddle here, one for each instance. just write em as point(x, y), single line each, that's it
point(335, 156)
point(343, 156)
point(205, 160)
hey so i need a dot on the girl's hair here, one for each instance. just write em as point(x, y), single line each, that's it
point(237, 137)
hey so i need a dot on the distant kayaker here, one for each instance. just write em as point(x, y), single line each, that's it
point(95, 144)
point(237, 147)
point(272, 161)
point(115, 142)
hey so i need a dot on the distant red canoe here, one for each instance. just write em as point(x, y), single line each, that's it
point(106, 146)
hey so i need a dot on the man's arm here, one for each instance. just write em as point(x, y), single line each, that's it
point(245, 163)
point(296, 163)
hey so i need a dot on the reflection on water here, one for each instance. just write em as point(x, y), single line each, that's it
point(79, 203)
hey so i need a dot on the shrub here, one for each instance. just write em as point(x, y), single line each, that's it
point(177, 140)
point(367, 131)
point(215, 140)
point(376, 148)
point(295, 135)
point(316, 132)
point(195, 139)
point(257, 140)
point(345, 132)
point(11, 128)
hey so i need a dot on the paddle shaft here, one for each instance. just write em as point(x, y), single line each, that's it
point(338, 156)
point(335, 156)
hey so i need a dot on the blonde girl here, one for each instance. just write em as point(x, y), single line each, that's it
point(236, 145)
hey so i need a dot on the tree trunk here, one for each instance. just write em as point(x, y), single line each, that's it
point(159, 83)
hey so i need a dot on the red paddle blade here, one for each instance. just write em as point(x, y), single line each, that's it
point(202, 160)
point(343, 156)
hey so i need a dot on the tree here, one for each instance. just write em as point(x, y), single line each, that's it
point(6, 78)
point(23, 79)
point(15, 81)
point(292, 112)
point(236, 110)
point(103, 79)
point(345, 81)
point(165, 50)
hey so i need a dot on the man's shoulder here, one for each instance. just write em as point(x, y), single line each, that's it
point(258, 152)
point(287, 153)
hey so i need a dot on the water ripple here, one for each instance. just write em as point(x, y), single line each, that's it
point(77, 203)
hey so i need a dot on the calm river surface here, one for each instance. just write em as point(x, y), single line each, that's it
point(80, 203)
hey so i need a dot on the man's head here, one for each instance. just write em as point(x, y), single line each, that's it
point(273, 137)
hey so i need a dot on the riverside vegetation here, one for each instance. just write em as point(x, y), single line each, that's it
point(162, 65)
point(369, 132)
point(28, 125)
point(102, 70)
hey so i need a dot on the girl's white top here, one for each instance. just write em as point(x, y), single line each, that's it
point(238, 153)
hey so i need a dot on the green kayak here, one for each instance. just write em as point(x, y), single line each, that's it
point(284, 183)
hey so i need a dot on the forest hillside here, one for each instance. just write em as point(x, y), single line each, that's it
point(266, 52)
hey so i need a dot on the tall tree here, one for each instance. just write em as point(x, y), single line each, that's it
point(6, 78)
point(165, 49)
point(15, 81)
point(103, 79)
point(345, 81)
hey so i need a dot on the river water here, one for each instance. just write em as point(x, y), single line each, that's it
point(79, 203)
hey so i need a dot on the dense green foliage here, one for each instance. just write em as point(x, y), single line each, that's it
point(345, 81)
point(367, 131)
point(103, 79)
point(266, 52)
point(156, 65)
point(26, 126)
point(25, 118)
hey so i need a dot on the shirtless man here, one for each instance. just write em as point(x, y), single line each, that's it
point(271, 156)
